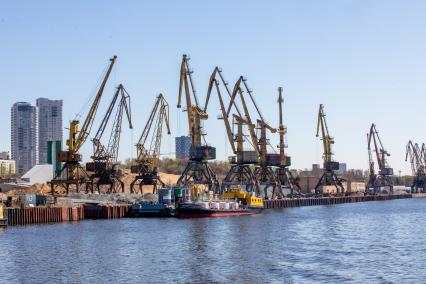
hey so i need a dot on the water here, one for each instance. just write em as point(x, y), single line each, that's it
point(371, 242)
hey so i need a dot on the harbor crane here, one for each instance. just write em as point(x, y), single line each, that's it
point(329, 177)
point(377, 182)
point(414, 152)
point(148, 148)
point(284, 175)
point(72, 173)
point(240, 174)
point(104, 165)
point(197, 171)
point(266, 163)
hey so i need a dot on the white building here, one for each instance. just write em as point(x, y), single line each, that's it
point(24, 136)
point(49, 125)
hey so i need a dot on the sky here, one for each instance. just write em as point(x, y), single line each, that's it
point(364, 60)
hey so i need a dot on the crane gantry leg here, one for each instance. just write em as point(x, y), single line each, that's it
point(199, 172)
point(240, 175)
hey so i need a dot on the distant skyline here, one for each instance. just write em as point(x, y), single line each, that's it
point(364, 60)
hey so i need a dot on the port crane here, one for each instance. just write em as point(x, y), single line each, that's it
point(414, 153)
point(284, 175)
point(329, 176)
point(104, 165)
point(384, 177)
point(197, 171)
point(240, 174)
point(72, 173)
point(148, 148)
point(264, 171)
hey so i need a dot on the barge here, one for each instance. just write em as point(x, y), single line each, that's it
point(230, 204)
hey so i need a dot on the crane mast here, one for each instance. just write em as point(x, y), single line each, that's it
point(414, 152)
point(71, 172)
point(329, 177)
point(284, 175)
point(148, 148)
point(197, 171)
point(377, 182)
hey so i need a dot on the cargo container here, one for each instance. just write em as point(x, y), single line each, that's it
point(165, 196)
point(203, 153)
point(26, 200)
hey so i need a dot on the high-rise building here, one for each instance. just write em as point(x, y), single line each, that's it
point(5, 155)
point(24, 136)
point(49, 125)
point(183, 147)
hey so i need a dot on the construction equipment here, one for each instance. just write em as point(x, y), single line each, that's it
point(377, 183)
point(284, 175)
point(197, 170)
point(417, 162)
point(265, 167)
point(71, 172)
point(148, 149)
point(240, 175)
point(104, 165)
point(329, 176)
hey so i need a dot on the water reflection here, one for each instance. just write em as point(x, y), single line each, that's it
point(362, 242)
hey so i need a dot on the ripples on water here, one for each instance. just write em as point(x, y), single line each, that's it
point(372, 242)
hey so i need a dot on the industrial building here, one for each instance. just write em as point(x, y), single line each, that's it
point(49, 125)
point(183, 147)
point(24, 140)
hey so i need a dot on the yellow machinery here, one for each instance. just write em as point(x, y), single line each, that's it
point(71, 172)
point(328, 177)
point(283, 174)
point(105, 157)
point(250, 200)
point(197, 170)
point(148, 150)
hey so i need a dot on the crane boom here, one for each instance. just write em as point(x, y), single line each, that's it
point(88, 122)
point(327, 140)
point(214, 82)
point(114, 140)
point(195, 113)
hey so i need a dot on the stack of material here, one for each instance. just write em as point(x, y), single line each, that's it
point(38, 174)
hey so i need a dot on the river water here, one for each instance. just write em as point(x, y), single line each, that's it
point(371, 242)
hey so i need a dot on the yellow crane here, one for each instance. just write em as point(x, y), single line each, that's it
point(71, 172)
point(284, 175)
point(383, 179)
point(105, 156)
point(148, 148)
point(197, 170)
point(414, 152)
point(328, 177)
point(264, 171)
point(240, 174)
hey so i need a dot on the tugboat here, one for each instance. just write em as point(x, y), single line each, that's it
point(150, 209)
point(163, 208)
point(236, 203)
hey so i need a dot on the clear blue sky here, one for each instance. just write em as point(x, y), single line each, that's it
point(364, 60)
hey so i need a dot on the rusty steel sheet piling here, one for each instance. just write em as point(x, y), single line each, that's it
point(106, 211)
point(298, 202)
point(43, 215)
